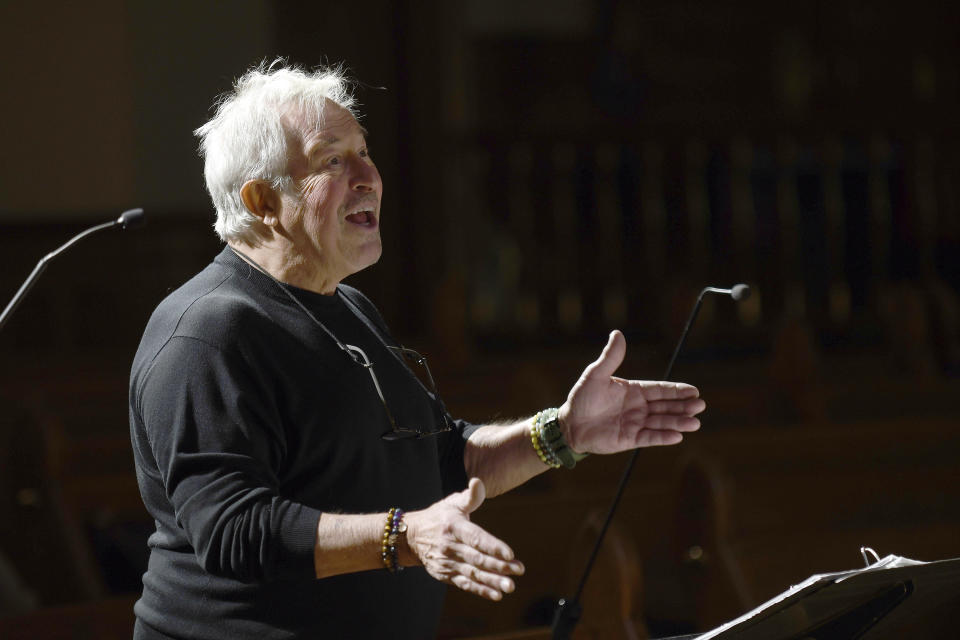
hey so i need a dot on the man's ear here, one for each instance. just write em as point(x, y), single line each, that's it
point(261, 200)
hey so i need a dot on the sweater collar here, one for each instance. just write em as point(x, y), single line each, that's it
point(266, 285)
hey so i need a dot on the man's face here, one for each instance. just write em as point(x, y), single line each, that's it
point(333, 218)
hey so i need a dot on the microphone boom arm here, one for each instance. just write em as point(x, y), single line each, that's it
point(568, 611)
point(127, 219)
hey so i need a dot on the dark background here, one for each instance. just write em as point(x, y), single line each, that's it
point(552, 170)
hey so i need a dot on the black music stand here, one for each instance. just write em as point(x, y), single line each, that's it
point(890, 599)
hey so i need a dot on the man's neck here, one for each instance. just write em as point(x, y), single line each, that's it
point(288, 267)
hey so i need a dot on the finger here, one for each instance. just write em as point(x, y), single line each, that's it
point(470, 586)
point(653, 438)
point(489, 563)
point(611, 358)
point(677, 407)
point(661, 422)
point(660, 390)
point(486, 579)
point(470, 499)
point(475, 537)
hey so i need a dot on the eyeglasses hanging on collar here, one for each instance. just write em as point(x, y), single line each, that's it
point(412, 360)
point(398, 431)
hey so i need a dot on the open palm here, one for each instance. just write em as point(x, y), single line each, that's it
point(607, 414)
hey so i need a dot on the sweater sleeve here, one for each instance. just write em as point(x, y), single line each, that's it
point(218, 445)
point(450, 449)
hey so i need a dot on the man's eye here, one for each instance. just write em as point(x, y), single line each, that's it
point(333, 160)
point(364, 153)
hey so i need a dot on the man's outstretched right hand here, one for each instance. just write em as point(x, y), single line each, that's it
point(456, 551)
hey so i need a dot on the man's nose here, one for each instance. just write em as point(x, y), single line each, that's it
point(365, 176)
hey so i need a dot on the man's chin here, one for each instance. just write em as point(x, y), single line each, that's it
point(370, 256)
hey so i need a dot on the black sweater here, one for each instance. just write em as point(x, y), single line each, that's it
point(247, 423)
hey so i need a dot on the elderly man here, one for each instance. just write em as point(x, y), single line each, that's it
point(292, 461)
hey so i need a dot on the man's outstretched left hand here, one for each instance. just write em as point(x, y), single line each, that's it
point(607, 414)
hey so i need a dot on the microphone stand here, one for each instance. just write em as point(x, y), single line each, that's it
point(127, 219)
point(568, 612)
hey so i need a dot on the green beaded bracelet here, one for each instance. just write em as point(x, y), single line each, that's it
point(553, 443)
point(536, 438)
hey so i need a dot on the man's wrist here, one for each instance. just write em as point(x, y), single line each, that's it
point(550, 441)
point(405, 554)
point(563, 418)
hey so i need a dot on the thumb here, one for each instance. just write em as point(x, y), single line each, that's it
point(611, 358)
point(470, 499)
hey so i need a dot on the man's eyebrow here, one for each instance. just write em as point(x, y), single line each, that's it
point(322, 141)
point(329, 139)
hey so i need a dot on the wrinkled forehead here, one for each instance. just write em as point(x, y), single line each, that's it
point(307, 122)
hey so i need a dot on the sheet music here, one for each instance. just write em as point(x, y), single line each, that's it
point(782, 606)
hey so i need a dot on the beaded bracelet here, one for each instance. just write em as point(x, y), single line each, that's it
point(549, 443)
point(545, 454)
point(394, 527)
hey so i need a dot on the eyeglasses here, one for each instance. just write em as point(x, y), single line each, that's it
point(416, 364)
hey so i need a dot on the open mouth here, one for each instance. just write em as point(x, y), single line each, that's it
point(363, 218)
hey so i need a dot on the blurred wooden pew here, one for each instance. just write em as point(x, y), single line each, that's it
point(722, 523)
point(760, 509)
point(108, 619)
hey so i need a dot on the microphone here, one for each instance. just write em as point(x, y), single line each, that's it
point(127, 220)
point(133, 218)
point(568, 612)
point(738, 291)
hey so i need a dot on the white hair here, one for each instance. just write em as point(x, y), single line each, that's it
point(246, 140)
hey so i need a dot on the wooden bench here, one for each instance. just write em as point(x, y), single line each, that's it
point(760, 509)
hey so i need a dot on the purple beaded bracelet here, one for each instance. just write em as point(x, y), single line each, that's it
point(392, 530)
